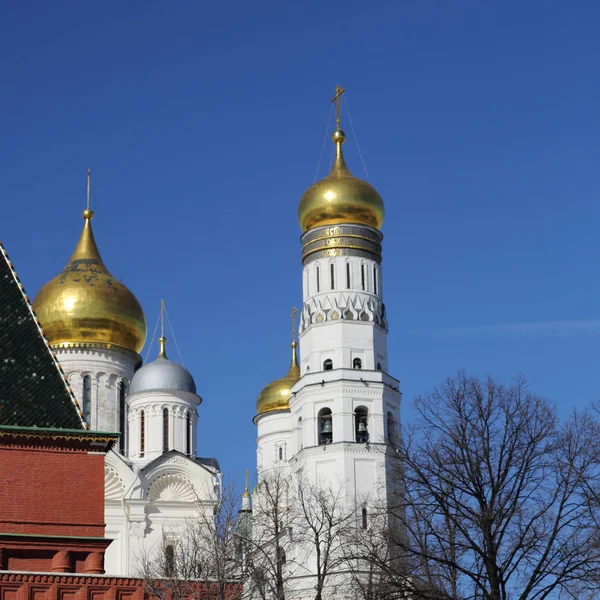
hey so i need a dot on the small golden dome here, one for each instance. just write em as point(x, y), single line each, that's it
point(340, 197)
point(276, 396)
point(85, 304)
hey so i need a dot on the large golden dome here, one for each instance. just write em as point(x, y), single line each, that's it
point(276, 396)
point(340, 197)
point(85, 305)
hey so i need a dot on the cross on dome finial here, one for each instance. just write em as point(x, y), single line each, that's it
point(338, 105)
point(89, 180)
point(246, 493)
point(293, 318)
point(162, 340)
point(88, 213)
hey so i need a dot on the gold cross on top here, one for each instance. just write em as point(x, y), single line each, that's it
point(338, 104)
point(293, 318)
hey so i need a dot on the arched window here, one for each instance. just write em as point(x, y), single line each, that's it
point(318, 282)
point(362, 277)
point(375, 279)
point(391, 428)
point(142, 434)
point(332, 276)
point(188, 434)
point(122, 419)
point(165, 429)
point(169, 561)
point(361, 423)
point(280, 453)
point(364, 515)
point(357, 363)
point(379, 366)
point(347, 275)
point(328, 365)
point(87, 399)
point(325, 425)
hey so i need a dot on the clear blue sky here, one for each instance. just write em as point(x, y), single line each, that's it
point(203, 123)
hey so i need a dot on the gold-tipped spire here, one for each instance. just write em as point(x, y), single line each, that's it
point(276, 395)
point(340, 197)
point(294, 339)
point(85, 304)
point(88, 213)
point(162, 353)
point(246, 493)
point(162, 340)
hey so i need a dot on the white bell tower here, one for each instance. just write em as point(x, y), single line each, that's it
point(345, 407)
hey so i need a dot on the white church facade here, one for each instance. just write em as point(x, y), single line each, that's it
point(154, 481)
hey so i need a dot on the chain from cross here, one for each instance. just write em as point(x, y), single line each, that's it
point(338, 104)
point(293, 318)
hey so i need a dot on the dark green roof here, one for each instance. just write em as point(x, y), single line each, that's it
point(33, 389)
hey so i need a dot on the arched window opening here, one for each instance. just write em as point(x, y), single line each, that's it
point(391, 428)
point(169, 561)
point(362, 276)
point(142, 434)
point(165, 430)
point(87, 399)
point(188, 434)
point(357, 363)
point(347, 276)
point(361, 422)
point(325, 424)
point(375, 279)
point(318, 282)
point(364, 519)
point(122, 419)
point(280, 453)
point(332, 276)
point(379, 366)
point(328, 365)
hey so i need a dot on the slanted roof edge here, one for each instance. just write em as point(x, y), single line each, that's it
point(44, 338)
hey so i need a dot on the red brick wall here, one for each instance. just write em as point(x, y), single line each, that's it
point(20, 586)
point(51, 491)
point(25, 586)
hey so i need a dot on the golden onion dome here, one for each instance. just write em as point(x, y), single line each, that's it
point(340, 197)
point(85, 305)
point(276, 395)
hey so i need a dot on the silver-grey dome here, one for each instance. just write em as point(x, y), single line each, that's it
point(162, 374)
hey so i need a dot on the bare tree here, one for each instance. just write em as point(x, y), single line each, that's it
point(495, 501)
point(323, 515)
point(204, 561)
point(272, 522)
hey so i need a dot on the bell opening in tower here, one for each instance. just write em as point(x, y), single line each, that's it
point(325, 427)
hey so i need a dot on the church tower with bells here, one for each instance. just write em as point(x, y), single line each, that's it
point(335, 416)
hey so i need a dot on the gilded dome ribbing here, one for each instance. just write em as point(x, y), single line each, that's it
point(276, 395)
point(340, 197)
point(85, 304)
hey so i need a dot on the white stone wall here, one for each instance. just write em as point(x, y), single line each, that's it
point(343, 318)
point(274, 441)
point(178, 404)
point(107, 367)
point(150, 508)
